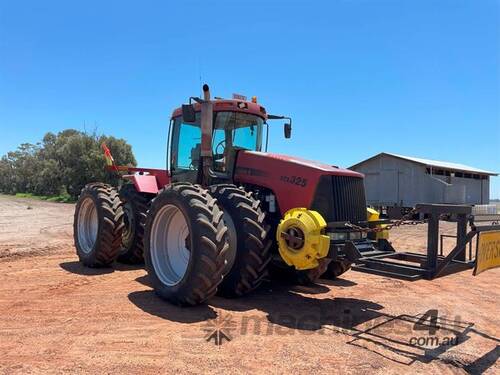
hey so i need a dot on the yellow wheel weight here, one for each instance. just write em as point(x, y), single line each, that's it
point(300, 239)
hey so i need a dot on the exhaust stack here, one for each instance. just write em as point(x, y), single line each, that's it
point(207, 116)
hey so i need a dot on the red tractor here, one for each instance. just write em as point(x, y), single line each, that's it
point(225, 211)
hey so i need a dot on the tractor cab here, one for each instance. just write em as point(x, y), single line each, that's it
point(228, 126)
point(232, 131)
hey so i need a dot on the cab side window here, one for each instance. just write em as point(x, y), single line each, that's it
point(186, 144)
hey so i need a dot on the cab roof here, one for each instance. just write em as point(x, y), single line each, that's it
point(233, 105)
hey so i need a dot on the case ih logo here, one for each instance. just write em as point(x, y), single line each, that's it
point(218, 329)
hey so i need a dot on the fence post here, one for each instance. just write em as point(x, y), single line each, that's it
point(461, 234)
point(432, 243)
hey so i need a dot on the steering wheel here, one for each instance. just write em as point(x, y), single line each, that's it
point(221, 144)
point(195, 157)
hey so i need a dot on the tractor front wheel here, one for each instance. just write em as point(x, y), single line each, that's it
point(281, 271)
point(185, 244)
point(248, 237)
point(98, 225)
point(337, 268)
point(312, 276)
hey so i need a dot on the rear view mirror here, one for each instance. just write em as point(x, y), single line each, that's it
point(287, 128)
point(188, 113)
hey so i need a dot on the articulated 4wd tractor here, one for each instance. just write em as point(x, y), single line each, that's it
point(225, 211)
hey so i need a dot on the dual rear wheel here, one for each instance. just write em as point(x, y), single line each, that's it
point(109, 225)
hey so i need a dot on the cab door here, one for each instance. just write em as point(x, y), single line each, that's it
point(185, 150)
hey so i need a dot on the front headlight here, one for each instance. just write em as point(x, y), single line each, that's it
point(355, 235)
point(344, 236)
point(338, 236)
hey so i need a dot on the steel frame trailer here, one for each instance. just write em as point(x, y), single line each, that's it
point(432, 264)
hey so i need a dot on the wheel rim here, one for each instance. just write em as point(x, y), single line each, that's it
point(88, 224)
point(169, 244)
point(129, 221)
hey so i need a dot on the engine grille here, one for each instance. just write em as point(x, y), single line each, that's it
point(340, 198)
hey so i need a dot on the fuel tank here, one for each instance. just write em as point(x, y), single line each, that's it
point(338, 194)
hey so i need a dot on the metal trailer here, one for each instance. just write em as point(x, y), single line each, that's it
point(383, 259)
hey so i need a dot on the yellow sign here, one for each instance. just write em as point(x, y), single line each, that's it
point(488, 251)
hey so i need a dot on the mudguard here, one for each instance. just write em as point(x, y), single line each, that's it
point(148, 180)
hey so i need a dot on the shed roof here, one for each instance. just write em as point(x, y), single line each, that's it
point(432, 163)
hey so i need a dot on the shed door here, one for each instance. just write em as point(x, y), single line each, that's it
point(388, 186)
point(372, 188)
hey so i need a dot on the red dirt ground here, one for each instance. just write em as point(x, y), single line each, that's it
point(58, 316)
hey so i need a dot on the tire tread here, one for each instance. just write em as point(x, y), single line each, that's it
point(253, 255)
point(111, 225)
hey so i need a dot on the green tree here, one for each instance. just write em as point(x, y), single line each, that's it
point(65, 162)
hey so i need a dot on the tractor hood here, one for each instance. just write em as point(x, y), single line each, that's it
point(293, 180)
point(248, 158)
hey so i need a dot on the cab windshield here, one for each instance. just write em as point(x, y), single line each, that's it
point(237, 130)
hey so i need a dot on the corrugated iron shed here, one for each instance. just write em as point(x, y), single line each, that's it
point(433, 163)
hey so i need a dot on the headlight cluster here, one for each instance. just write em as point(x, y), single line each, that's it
point(344, 236)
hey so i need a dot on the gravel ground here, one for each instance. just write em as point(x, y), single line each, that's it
point(58, 316)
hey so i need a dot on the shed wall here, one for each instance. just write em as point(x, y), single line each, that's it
point(392, 181)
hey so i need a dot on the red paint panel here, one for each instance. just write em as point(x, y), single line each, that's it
point(147, 180)
point(144, 183)
point(161, 175)
point(293, 180)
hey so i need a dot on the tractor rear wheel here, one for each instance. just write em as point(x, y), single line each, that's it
point(185, 244)
point(248, 237)
point(135, 207)
point(337, 268)
point(98, 225)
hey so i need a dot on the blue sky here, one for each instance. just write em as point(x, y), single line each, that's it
point(419, 78)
